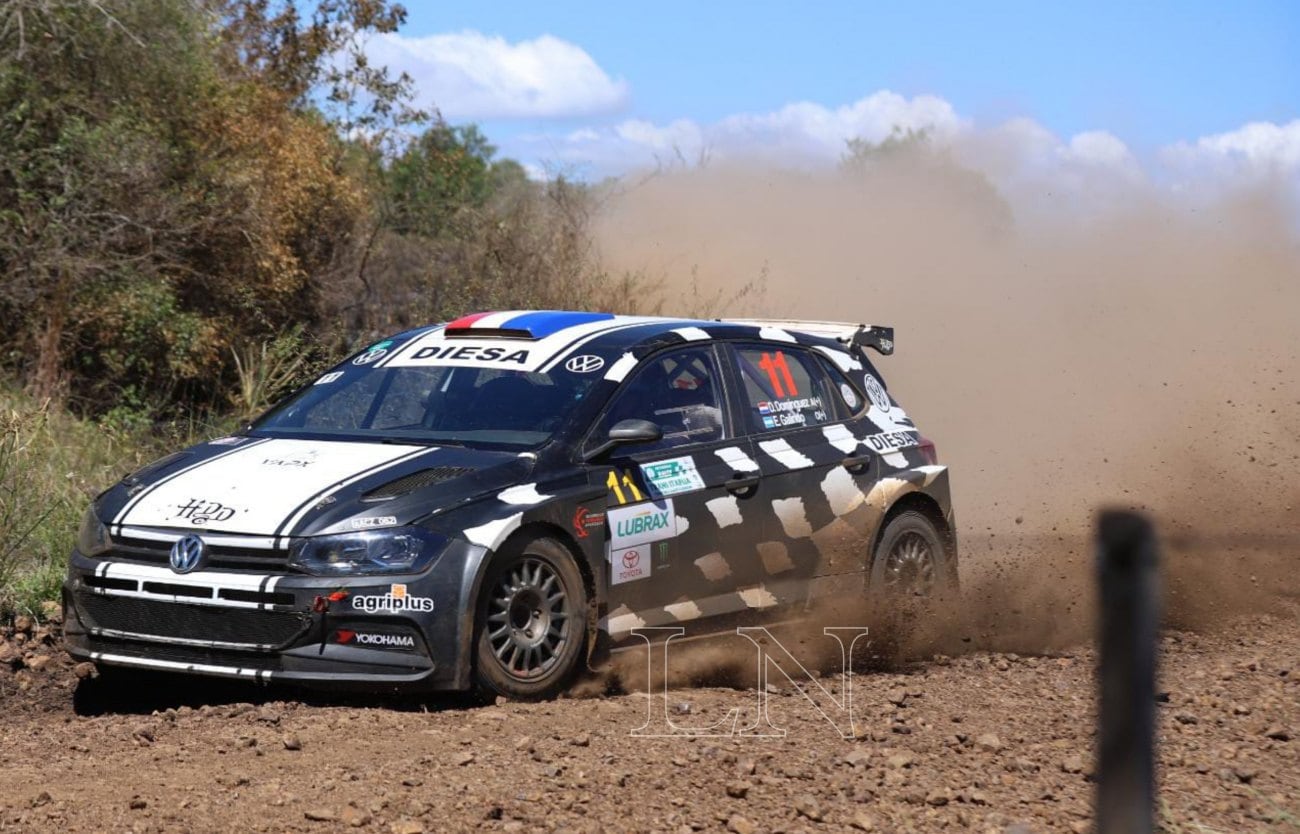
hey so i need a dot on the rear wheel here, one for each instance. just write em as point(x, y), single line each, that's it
point(531, 621)
point(910, 560)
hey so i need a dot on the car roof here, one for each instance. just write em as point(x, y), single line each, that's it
point(609, 331)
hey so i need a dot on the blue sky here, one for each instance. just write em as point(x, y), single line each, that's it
point(1153, 75)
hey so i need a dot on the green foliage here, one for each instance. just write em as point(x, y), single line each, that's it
point(272, 369)
point(169, 194)
point(51, 466)
point(296, 54)
point(20, 514)
point(444, 171)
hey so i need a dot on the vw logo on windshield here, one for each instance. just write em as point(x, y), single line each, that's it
point(584, 364)
point(370, 356)
point(189, 553)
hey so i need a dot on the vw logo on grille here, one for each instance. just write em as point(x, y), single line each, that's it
point(189, 553)
point(584, 364)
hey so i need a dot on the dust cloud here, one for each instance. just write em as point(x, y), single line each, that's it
point(1140, 354)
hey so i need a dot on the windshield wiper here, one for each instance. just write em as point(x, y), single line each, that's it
point(417, 441)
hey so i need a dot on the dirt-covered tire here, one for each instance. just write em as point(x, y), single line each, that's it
point(911, 560)
point(530, 623)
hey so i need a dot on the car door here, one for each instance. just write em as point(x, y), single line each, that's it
point(677, 506)
point(815, 473)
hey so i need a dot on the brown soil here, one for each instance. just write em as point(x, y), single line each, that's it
point(977, 740)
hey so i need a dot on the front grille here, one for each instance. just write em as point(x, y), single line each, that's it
point(414, 481)
point(188, 654)
point(153, 618)
point(220, 557)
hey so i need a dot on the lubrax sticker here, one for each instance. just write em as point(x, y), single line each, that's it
point(641, 524)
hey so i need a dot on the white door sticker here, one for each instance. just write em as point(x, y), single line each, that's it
point(669, 477)
point(629, 564)
point(642, 523)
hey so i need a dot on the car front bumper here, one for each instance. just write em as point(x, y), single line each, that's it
point(391, 633)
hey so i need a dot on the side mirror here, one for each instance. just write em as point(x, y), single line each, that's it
point(626, 432)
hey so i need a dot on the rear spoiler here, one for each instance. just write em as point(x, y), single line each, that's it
point(876, 337)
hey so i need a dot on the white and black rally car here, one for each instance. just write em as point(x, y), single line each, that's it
point(494, 501)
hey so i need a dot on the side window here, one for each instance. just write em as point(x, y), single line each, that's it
point(679, 391)
point(785, 387)
point(846, 398)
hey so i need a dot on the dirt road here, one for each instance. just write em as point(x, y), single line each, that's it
point(978, 741)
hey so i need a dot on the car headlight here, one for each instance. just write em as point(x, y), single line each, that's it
point(396, 550)
point(93, 538)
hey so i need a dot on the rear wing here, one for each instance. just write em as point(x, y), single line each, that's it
point(876, 337)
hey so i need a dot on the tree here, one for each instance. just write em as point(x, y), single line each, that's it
point(163, 201)
point(444, 170)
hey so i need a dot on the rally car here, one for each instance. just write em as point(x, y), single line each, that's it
point(498, 501)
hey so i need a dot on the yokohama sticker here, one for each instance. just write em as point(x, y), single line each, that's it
point(641, 524)
point(381, 640)
point(397, 599)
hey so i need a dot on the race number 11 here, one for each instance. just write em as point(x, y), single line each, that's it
point(613, 482)
point(767, 363)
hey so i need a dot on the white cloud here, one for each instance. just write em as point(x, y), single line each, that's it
point(471, 76)
point(805, 129)
point(1257, 147)
point(1099, 148)
point(682, 134)
point(1042, 173)
point(801, 133)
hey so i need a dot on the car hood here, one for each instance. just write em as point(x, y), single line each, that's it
point(283, 487)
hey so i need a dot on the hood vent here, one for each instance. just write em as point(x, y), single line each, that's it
point(414, 481)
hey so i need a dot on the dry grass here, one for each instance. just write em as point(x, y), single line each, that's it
point(51, 466)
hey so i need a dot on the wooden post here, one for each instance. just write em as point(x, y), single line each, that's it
point(1127, 565)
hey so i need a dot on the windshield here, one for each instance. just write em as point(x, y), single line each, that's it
point(467, 406)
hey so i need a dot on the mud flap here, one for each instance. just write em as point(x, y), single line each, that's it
point(597, 641)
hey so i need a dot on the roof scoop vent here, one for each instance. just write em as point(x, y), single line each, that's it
point(416, 480)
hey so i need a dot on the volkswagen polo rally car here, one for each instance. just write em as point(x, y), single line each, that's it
point(498, 501)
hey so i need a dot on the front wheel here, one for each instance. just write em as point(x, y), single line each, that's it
point(910, 560)
point(531, 621)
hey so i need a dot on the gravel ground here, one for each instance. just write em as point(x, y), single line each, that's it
point(982, 741)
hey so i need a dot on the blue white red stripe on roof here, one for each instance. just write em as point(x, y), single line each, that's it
point(537, 323)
